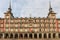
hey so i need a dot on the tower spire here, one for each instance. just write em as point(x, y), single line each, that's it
point(9, 6)
point(50, 8)
point(30, 15)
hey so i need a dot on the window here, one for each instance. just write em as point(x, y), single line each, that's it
point(16, 30)
point(12, 25)
point(54, 35)
point(46, 29)
point(20, 35)
point(42, 20)
point(49, 35)
point(7, 25)
point(11, 29)
point(47, 25)
point(11, 20)
point(42, 25)
point(46, 20)
point(26, 30)
point(40, 35)
point(51, 25)
point(6, 35)
point(1, 35)
point(45, 36)
point(58, 25)
point(36, 30)
point(51, 20)
point(27, 20)
point(25, 25)
point(23, 20)
point(25, 36)
point(11, 35)
point(7, 16)
point(30, 35)
point(21, 30)
point(35, 25)
point(16, 25)
point(35, 35)
point(59, 35)
point(19, 20)
point(16, 36)
point(7, 29)
point(42, 29)
point(1, 25)
point(37, 20)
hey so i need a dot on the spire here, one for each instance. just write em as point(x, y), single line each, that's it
point(30, 15)
point(9, 6)
point(50, 8)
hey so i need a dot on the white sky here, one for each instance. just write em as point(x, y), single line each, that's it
point(23, 8)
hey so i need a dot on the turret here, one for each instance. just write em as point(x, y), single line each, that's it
point(51, 13)
point(9, 14)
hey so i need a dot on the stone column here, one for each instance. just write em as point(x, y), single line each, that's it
point(23, 35)
point(3, 35)
point(42, 35)
point(51, 35)
point(57, 35)
point(33, 35)
point(37, 35)
point(47, 35)
point(18, 35)
point(28, 35)
point(13, 35)
point(9, 35)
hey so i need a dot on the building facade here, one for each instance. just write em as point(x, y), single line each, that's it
point(29, 28)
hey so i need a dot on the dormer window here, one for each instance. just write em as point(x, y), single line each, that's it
point(7, 16)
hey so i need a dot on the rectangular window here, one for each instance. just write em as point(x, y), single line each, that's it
point(37, 20)
point(16, 25)
point(54, 35)
point(1, 25)
point(16, 30)
point(12, 30)
point(7, 30)
point(12, 21)
point(7, 25)
point(59, 35)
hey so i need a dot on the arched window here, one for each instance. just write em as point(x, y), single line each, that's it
point(49, 35)
point(20, 35)
point(1, 35)
point(40, 35)
point(54, 35)
point(30, 35)
point(59, 35)
point(16, 36)
point(11, 35)
point(35, 35)
point(6, 35)
point(45, 36)
point(25, 36)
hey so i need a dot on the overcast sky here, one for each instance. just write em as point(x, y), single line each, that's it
point(23, 8)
